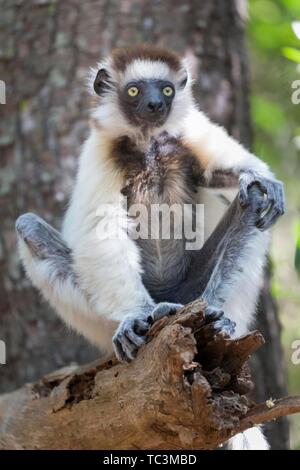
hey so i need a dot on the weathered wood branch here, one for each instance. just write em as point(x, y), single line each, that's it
point(185, 390)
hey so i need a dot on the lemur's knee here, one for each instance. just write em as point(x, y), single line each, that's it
point(42, 240)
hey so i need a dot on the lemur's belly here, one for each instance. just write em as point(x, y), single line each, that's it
point(164, 177)
point(162, 238)
point(165, 264)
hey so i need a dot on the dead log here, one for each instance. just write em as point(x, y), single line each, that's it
point(185, 390)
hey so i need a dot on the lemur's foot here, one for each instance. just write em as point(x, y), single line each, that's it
point(129, 337)
point(42, 240)
point(130, 334)
point(216, 318)
point(264, 195)
point(162, 309)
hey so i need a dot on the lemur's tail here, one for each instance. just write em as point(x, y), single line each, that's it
point(251, 439)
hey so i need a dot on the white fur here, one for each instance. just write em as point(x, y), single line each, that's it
point(215, 148)
point(108, 113)
point(251, 439)
point(71, 304)
point(241, 301)
point(109, 271)
point(147, 69)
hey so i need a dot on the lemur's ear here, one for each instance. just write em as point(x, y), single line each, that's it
point(102, 82)
point(183, 79)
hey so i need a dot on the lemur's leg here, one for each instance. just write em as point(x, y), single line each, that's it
point(227, 271)
point(48, 262)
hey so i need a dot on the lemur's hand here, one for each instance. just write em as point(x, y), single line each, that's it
point(130, 334)
point(271, 206)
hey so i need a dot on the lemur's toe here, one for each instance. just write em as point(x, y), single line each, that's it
point(216, 322)
point(163, 309)
point(129, 338)
point(213, 313)
point(225, 325)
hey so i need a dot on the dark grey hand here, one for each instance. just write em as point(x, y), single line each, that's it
point(130, 334)
point(271, 206)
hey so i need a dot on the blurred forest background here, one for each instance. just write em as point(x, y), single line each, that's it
point(46, 47)
point(274, 45)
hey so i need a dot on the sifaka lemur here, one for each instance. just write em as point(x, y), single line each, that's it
point(150, 144)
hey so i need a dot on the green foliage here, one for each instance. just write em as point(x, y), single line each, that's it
point(297, 255)
point(271, 24)
point(291, 53)
point(267, 115)
point(275, 52)
point(273, 33)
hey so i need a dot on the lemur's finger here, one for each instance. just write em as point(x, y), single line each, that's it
point(213, 314)
point(243, 194)
point(280, 197)
point(226, 325)
point(129, 349)
point(141, 327)
point(276, 207)
point(137, 340)
point(269, 219)
point(162, 309)
point(262, 204)
point(122, 341)
point(119, 350)
point(269, 190)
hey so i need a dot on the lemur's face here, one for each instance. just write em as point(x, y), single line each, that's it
point(147, 102)
point(141, 88)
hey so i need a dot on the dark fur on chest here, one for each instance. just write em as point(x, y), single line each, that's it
point(165, 172)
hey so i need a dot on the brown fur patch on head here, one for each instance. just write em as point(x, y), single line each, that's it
point(122, 57)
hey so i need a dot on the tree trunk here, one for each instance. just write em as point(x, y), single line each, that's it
point(46, 47)
point(185, 390)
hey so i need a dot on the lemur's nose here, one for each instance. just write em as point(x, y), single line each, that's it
point(155, 106)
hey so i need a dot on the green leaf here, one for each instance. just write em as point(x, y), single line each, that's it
point(297, 259)
point(291, 54)
point(266, 11)
point(293, 6)
point(297, 255)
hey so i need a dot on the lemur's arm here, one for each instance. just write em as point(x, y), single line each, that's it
point(225, 160)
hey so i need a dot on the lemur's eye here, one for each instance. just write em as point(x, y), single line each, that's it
point(168, 91)
point(132, 91)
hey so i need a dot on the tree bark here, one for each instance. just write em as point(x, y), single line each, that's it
point(185, 390)
point(46, 48)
